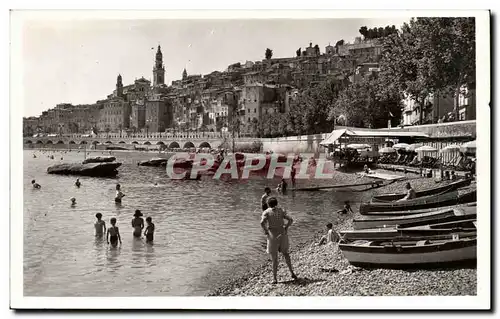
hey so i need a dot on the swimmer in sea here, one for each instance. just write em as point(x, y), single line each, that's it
point(73, 202)
point(77, 183)
point(119, 194)
point(113, 234)
point(100, 225)
point(137, 223)
point(35, 184)
point(150, 229)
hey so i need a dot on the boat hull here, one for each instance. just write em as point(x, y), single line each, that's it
point(434, 191)
point(437, 217)
point(433, 255)
point(447, 199)
point(397, 213)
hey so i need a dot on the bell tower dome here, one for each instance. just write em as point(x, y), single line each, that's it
point(158, 69)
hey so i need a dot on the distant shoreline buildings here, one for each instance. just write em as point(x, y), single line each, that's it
point(215, 102)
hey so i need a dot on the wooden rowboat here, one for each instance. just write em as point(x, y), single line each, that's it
point(463, 228)
point(436, 217)
point(375, 215)
point(410, 254)
point(434, 201)
point(433, 191)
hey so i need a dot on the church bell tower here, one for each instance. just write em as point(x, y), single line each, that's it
point(159, 69)
point(119, 86)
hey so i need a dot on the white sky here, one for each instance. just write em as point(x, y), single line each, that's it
point(78, 61)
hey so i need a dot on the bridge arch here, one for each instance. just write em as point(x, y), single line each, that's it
point(189, 145)
point(29, 142)
point(147, 143)
point(39, 142)
point(49, 142)
point(205, 144)
point(174, 145)
point(83, 142)
point(122, 142)
point(96, 142)
point(109, 142)
point(60, 142)
point(71, 142)
point(135, 142)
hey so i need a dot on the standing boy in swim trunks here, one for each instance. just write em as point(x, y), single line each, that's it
point(113, 234)
point(100, 225)
point(150, 229)
point(264, 198)
point(119, 194)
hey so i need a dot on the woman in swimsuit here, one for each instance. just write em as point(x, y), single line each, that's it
point(113, 234)
point(137, 223)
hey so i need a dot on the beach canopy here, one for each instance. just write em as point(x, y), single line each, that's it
point(386, 150)
point(426, 148)
point(413, 147)
point(333, 137)
point(450, 149)
point(400, 145)
point(469, 147)
point(358, 146)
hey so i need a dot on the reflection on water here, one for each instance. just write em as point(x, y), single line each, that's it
point(205, 230)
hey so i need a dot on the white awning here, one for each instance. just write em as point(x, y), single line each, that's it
point(336, 134)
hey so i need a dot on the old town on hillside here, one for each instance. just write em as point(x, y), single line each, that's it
point(360, 84)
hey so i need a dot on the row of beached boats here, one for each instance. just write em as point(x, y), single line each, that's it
point(437, 228)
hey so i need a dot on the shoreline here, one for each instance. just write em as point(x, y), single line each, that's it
point(323, 271)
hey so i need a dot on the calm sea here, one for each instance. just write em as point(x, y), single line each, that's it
point(205, 230)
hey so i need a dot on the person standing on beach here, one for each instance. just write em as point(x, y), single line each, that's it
point(137, 223)
point(77, 183)
point(119, 194)
point(292, 176)
point(100, 225)
point(274, 227)
point(267, 193)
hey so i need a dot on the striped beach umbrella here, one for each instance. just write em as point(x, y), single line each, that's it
point(413, 147)
point(469, 147)
point(425, 148)
point(386, 150)
point(450, 149)
point(400, 146)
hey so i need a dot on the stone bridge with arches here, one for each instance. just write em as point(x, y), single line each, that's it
point(163, 141)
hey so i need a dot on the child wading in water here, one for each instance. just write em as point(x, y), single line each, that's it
point(150, 229)
point(100, 226)
point(119, 194)
point(113, 234)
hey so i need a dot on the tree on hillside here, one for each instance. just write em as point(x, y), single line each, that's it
point(298, 52)
point(367, 103)
point(375, 32)
point(269, 54)
point(455, 54)
point(339, 43)
point(404, 65)
point(431, 55)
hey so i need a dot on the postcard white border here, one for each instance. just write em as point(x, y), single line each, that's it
point(481, 301)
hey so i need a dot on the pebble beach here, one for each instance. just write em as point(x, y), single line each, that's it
point(323, 271)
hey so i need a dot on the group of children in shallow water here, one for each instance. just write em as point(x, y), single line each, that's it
point(113, 233)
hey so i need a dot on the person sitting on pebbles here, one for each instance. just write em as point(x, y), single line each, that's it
point(331, 236)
